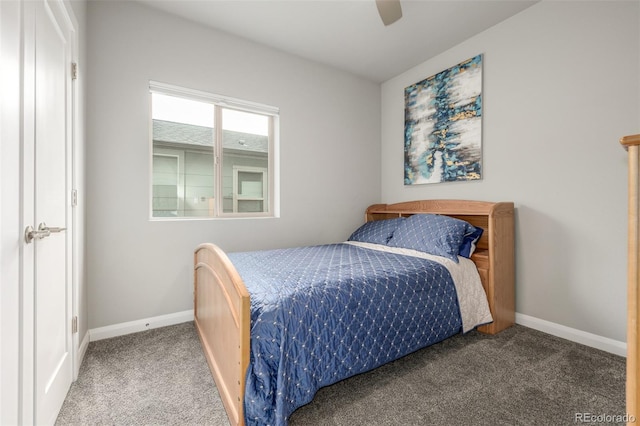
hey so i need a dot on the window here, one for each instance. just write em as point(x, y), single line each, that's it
point(192, 175)
point(249, 188)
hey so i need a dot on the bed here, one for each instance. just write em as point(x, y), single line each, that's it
point(271, 345)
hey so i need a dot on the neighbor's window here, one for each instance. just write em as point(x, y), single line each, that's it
point(211, 155)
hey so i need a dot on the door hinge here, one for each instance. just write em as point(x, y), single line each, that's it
point(74, 71)
point(74, 325)
point(74, 197)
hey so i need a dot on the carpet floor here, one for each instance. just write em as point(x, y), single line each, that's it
point(518, 377)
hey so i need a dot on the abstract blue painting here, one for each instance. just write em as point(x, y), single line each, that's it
point(443, 126)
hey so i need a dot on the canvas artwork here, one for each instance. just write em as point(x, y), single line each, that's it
point(443, 126)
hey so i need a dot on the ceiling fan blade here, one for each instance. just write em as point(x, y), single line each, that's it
point(390, 11)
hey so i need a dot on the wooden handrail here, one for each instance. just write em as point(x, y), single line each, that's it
point(632, 145)
point(630, 140)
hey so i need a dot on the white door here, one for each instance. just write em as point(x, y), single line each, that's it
point(51, 238)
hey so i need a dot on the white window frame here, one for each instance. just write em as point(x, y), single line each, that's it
point(220, 102)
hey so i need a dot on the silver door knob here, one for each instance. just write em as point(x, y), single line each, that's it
point(43, 231)
point(51, 229)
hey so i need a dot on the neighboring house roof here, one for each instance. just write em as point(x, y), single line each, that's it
point(180, 133)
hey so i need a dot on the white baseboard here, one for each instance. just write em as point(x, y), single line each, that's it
point(578, 336)
point(82, 350)
point(139, 325)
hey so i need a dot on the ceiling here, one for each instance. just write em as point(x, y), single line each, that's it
point(348, 34)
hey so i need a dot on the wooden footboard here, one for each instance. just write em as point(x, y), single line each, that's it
point(222, 318)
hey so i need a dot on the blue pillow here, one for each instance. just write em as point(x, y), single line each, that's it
point(469, 242)
point(433, 234)
point(377, 231)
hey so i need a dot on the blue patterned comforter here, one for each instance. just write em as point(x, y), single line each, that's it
point(323, 313)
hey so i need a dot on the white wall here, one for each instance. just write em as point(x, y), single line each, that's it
point(329, 154)
point(560, 88)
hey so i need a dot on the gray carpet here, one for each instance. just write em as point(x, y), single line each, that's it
point(519, 377)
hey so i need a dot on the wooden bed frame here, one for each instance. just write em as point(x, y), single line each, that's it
point(221, 300)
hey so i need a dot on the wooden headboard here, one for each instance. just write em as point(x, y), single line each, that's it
point(494, 255)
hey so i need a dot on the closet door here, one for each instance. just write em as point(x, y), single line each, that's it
point(37, 38)
point(47, 262)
